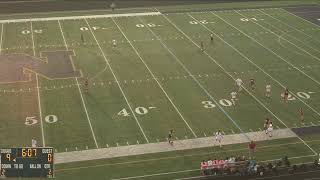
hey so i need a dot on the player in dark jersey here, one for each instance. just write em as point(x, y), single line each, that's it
point(252, 83)
point(86, 85)
point(211, 38)
point(170, 137)
point(266, 125)
point(286, 95)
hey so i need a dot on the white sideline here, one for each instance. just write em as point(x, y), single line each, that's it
point(80, 17)
point(121, 151)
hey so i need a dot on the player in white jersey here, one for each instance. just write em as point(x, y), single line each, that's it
point(218, 137)
point(239, 84)
point(233, 98)
point(114, 43)
point(270, 129)
point(34, 142)
point(268, 90)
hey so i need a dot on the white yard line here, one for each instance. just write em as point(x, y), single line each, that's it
point(292, 27)
point(82, 99)
point(38, 90)
point(291, 36)
point(257, 67)
point(263, 69)
point(160, 86)
point(1, 38)
point(309, 22)
point(80, 17)
point(192, 170)
point(267, 29)
point(193, 77)
point(116, 79)
point(150, 148)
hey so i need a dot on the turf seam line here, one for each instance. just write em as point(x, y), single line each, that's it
point(261, 70)
point(38, 89)
point(160, 86)
point(81, 96)
point(115, 77)
point(271, 51)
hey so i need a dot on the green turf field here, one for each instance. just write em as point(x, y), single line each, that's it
point(157, 78)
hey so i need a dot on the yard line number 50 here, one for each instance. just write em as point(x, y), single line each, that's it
point(49, 119)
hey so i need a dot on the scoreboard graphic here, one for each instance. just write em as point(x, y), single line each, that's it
point(27, 162)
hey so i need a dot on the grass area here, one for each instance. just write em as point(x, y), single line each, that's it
point(144, 86)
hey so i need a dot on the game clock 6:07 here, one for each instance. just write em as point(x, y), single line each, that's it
point(26, 162)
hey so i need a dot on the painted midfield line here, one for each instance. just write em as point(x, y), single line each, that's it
point(115, 77)
point(38, 91)
point(138, 54)
point(193, 77)
point(257, 67)
point(83, 103)
point(292, 27)
point(293, 94)
point(311, 55)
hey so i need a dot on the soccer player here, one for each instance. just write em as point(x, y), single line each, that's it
point(34, 142)
point(234, 98)
point(86, 85)
point(170, 137)
point(218, 137)
point(239, 84)
point(301, 114)
point(286, 95)
point(270, 129)
point(252, 83)
point(268, 90)
point(266, 125)
point(82, 38)
point(252, 148)
point(114, 43)
point(202, 46)
point(211, 37)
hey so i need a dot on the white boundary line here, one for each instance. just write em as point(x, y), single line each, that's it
point(188, 155)
point(257, 67)
point(115, 77)
point(82, 99)
point(38, 89)
point(160, 86)
point(193, 77)
point(81, 17)
point(292, 27)
point(191, 170)
point(309, 22)
point(301, 49)
point(1, 38)
point(291, 36)
point(263, 69)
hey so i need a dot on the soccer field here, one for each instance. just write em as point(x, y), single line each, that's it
point(157, 78)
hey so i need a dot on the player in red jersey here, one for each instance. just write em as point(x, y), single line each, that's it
point(286, 95)
point(301, 114)
point(86, 85)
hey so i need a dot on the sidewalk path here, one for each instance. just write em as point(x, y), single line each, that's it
point(102, 153)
